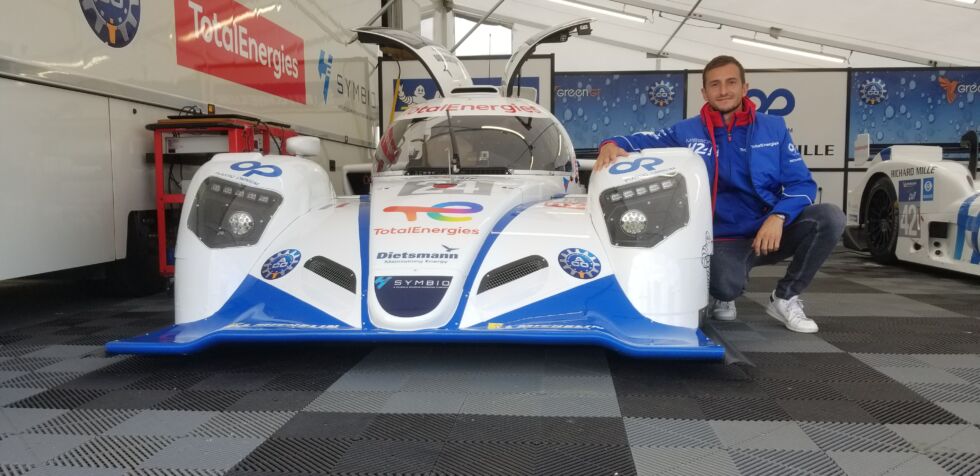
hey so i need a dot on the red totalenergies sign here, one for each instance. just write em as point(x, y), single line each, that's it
point(223, 38)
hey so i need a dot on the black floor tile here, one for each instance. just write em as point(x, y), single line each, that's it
point(701, 388)
point(842, 411)
point(410, 427)
point(294, 455)
point(486, 458)
point(800, 390)
point(765, 284)
point(742, 409)
point(302, 382)
point(380, 456)
point(657, 406)
point(909, 412)
point(965, 304)
point(566, 430)
point(102, 381)
point(258, 401)
point(201, 400)
point(320, 425)
point(130, 399)
point(890, 391)
point(68, 399)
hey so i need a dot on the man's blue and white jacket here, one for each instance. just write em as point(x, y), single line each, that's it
point(760, 170)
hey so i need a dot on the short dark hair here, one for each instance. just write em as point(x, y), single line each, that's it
point(718, 62)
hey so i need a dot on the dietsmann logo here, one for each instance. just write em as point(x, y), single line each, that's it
point(439, 211)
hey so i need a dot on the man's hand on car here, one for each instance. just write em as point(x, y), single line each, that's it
point(607, 155)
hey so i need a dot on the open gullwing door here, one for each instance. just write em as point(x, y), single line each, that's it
point(443, 66)
point(555, 34)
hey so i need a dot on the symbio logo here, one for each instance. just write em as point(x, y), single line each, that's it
point(323, 67)
point(768, 101)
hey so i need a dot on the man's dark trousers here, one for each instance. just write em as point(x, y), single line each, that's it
point(809, 240)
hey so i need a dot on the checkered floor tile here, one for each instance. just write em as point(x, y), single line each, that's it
point(890, 385)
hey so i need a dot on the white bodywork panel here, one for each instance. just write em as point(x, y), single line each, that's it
point(206, 278)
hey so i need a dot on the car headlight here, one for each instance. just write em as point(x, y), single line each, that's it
point(633, 222)
point(644, 213)
point(226, 214)
point(240, 223)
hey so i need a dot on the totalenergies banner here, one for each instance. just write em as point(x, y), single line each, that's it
point(913, 106)
point(223, 38)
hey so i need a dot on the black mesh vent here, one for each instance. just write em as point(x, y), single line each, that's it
point(511, 271)
point(332, 271)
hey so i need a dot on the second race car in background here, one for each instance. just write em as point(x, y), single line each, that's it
point(913, 205)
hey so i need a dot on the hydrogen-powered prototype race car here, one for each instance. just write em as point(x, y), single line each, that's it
point(476, 230)
point(913, 205)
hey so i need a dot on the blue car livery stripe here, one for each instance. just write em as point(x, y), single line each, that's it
point(364, 236)
point(966, 223)
point(478, 261)
point(261, 312)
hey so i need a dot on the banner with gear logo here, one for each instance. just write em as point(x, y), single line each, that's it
point(595, 106)
point(913, 106)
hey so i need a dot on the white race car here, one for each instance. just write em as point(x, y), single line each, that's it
point(912, 205)
point(476, 230)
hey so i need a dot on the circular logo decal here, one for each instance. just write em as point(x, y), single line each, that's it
point(661, 93)
point(873, 91)
point(927, 185)
point(579, 263)
point(114, 21)
point(280, 264)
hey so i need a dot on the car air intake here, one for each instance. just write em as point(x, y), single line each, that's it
point(512, 271)
point(332, 271)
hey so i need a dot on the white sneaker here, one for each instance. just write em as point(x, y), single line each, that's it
point(790, 312)
point(722, 310)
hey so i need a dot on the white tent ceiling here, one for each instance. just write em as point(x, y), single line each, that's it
point(913, 32)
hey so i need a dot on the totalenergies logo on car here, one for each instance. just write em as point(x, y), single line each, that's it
point(446, 211)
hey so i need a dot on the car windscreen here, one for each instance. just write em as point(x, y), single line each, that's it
point(487, 143)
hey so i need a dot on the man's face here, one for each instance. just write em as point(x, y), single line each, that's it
point(723, 88)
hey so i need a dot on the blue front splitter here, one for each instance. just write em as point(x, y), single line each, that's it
point(595, 313)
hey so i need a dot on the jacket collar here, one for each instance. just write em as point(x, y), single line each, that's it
point(711, 117)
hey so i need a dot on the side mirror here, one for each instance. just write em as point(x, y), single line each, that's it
point(303, 146)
